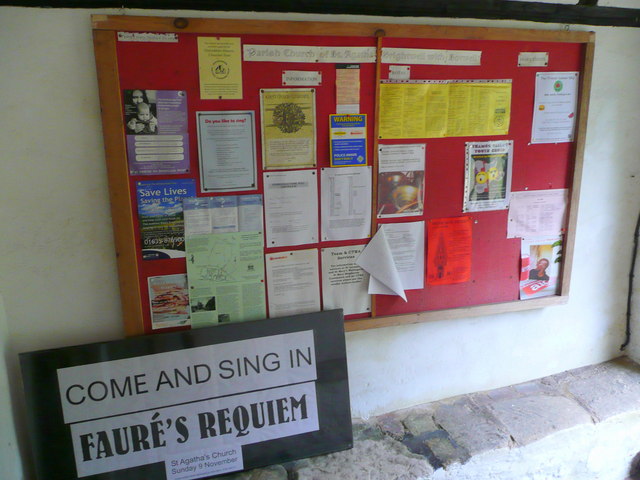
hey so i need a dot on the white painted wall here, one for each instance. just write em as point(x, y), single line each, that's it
point(58, 273)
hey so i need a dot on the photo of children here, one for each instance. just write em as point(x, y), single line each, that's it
point(540, 267)
point(140, 112)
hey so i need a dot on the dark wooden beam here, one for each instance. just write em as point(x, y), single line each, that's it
point(585, 12)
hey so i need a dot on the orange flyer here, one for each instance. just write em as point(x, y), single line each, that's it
point(449, 250)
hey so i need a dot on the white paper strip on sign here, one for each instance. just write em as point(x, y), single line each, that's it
point(134, 377)
point(197, 425)
point(425, 56)
point(308, 54)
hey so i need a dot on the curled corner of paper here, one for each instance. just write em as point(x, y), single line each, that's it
point(377, 260)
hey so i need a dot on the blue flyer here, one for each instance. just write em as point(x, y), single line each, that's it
point(348, 139)
point(161, 218)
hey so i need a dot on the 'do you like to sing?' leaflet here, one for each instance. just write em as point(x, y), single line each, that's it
point(187, 406)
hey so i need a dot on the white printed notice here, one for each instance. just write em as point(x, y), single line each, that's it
point(227, 151)
point(291, 207)
point(192, 409)
point(554, 108)
point(346, 203)
point(394, 259)
point(292, 282)
point(537, 213)
point(230, 213)
point(344, 283)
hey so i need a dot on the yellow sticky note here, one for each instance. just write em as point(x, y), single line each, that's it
point(220, 64)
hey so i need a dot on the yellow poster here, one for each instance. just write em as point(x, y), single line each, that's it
point(444, 109)
point(288, 127)
point(436, 110)
point(479, 109)
point(220, 67)
point(391, 111)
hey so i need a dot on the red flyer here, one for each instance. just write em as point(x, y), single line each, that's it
point(449, 250)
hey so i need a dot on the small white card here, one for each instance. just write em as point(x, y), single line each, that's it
point(147, 37)
point(301, 78)
point(399, 72)
point(533, 59)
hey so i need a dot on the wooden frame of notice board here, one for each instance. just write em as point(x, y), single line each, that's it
point(495, 260)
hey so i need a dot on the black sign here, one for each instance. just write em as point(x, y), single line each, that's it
point(192, 404)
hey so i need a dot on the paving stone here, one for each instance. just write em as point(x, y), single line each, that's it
point(482, 399)
point(418, 446)
point(384, 459)
point(499, 393)
point(366, 431)
point(555, 381)
point(530, 388)
point(608, 390)
point(420, 421)
point(533, 417)
point(445, 451)
point(470, 426)
point(391, 425)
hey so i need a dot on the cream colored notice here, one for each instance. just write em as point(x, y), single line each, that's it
point(288, 127)
point(220, 68)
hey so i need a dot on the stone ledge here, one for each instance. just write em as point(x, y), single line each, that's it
point(576, 425)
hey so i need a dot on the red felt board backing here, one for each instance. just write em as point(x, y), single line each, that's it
point(495, 260)
point(174, 66)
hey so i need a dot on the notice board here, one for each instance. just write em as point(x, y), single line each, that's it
point(396, 64)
